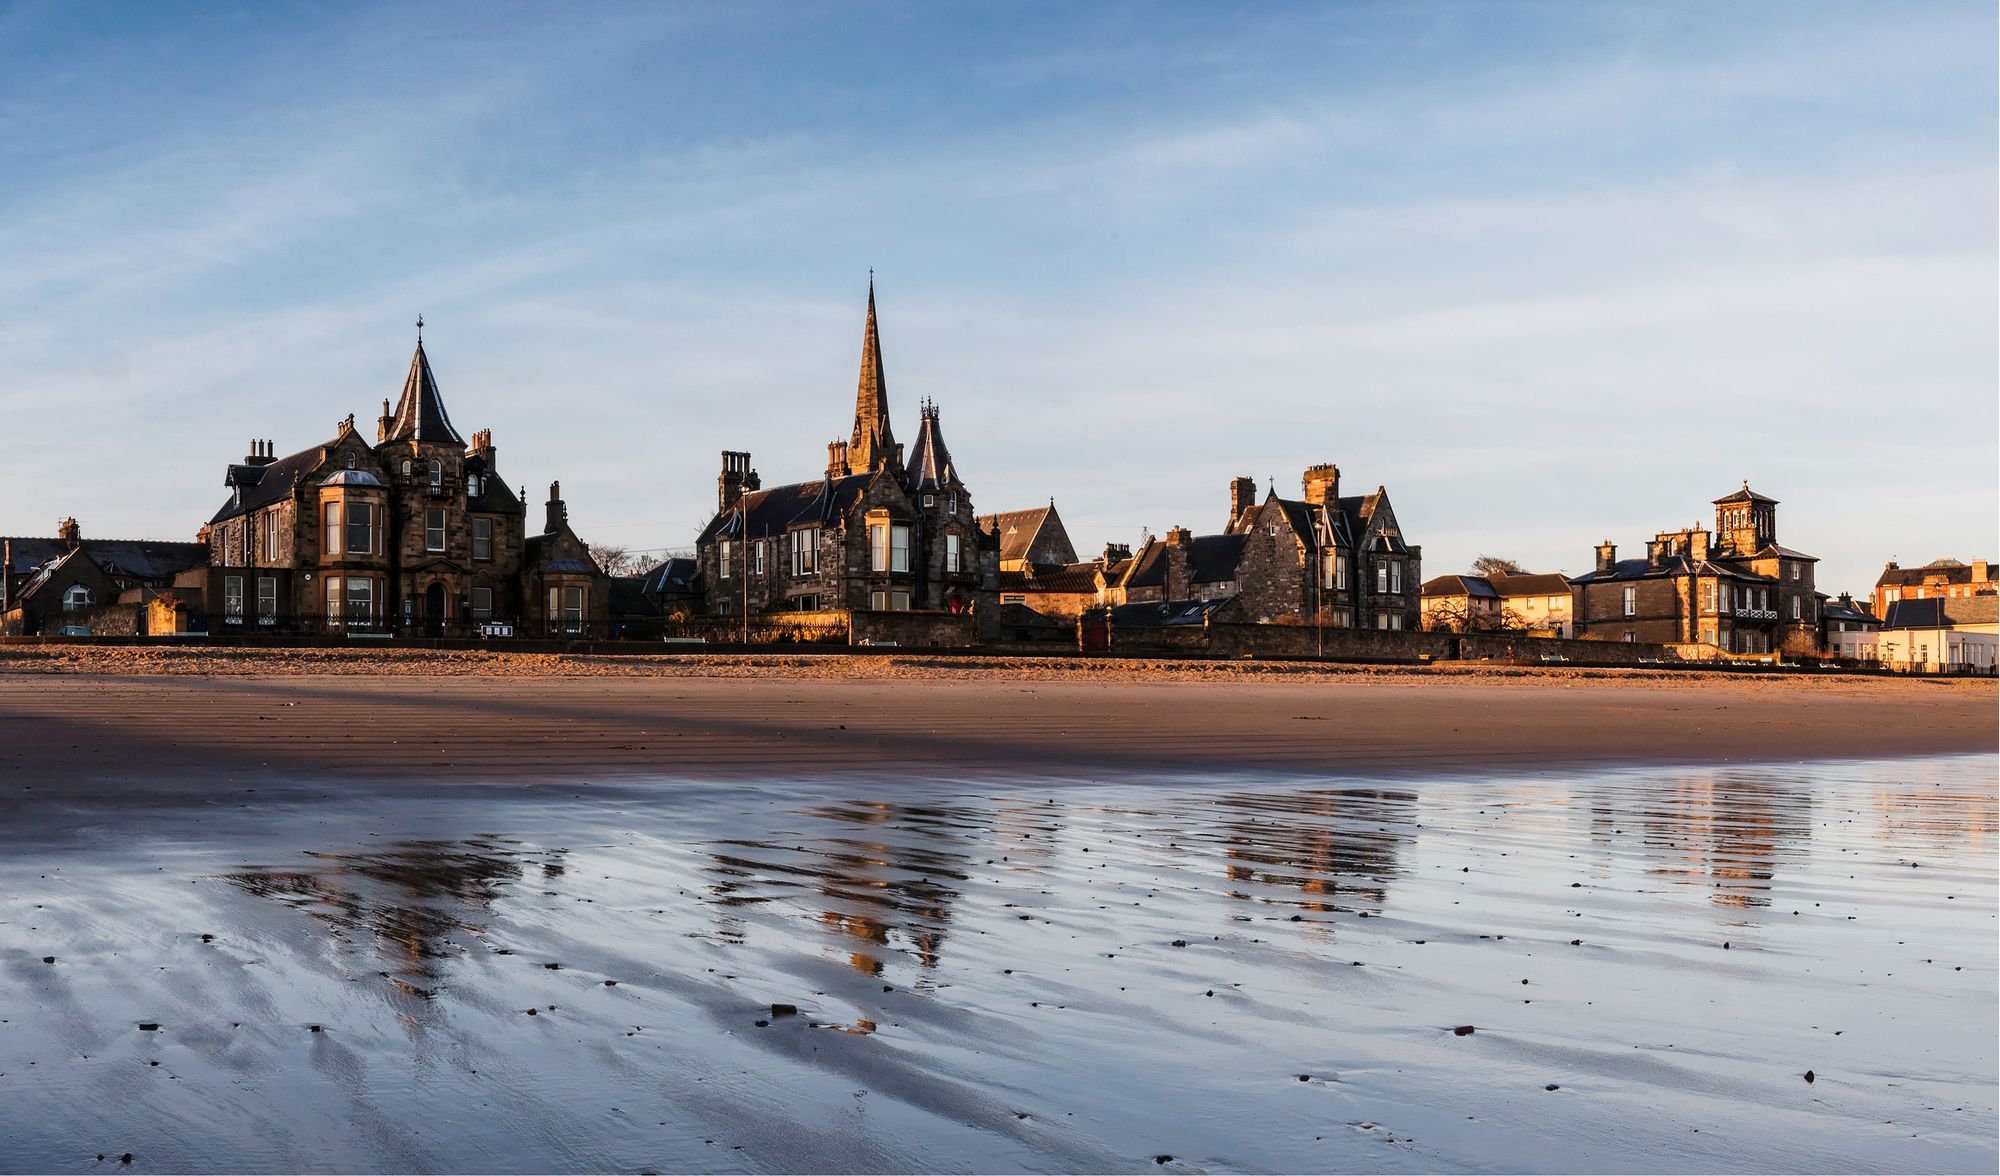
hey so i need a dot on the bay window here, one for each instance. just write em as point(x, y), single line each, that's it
point(360, 528)
point(332, 528)
point(952, 554)
point(360, 600)
point(333, 600)
point(565, 609)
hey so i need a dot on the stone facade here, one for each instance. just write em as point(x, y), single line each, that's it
point(416, 534)
point(875, 532)
point(1340, 561)
point(1733, 588)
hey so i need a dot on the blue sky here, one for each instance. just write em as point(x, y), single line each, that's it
point(1552, 273)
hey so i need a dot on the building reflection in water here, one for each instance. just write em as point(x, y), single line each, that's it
point(1337, 848)
point(883, 879)
point(1726, 831)
point(407, 901)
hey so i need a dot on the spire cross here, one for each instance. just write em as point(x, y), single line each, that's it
point(420, 328)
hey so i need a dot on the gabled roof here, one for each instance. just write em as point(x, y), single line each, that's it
point(265, 484)
point(1019, 529)
point(673, 577)
point(760, 514)
point(1212, 559)
point(1072, 578)
point(142, 559)
point(495, 495)
point(1531, 584)
point(929, 464)
point(1942, 612)
point(420, 414)
point(46, 573)
point(1744, 495)
point(1771, 550)
point(1835, 610)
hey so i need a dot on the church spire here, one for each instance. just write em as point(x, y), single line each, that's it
point(874, 444)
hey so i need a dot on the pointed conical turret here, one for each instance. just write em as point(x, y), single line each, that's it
point(930, 459)
point(874, 444)
point(420, 414)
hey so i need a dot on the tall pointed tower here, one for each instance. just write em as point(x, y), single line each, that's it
point(874, 444)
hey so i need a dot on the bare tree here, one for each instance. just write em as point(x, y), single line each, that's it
point(616, 561)
point(1497, 565)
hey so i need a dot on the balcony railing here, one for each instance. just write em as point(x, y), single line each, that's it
point(1756, 614)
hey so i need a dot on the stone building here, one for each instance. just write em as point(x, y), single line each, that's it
point(1034, 537)
point(68, 581)
point(1527, 602)
point(875, 531)
point(1938, 578)
point(1733, 587)
point(1340, 560)
point(415, 534)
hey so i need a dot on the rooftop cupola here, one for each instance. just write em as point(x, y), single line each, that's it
point(930, 465)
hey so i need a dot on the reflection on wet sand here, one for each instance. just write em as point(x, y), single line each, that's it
point(406, 900)
point(1338, 848)
point(1729, 831)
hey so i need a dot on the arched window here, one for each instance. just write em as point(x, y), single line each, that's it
point(350, 459)
point(76, 599)
point(406, 467)
point(437, 472)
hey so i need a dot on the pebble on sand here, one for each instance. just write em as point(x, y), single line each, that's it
point(1463, 1030)
point(48, 959)
point(1551, 1086)
point(1809, 1076)
point(784, 1010)
point(149, 1026)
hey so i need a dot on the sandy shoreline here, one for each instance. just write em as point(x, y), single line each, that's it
point(479, 716)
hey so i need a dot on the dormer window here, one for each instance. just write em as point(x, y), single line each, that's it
point(350, 459)
point(472, 486)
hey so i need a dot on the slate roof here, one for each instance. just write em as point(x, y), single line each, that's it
point(42, 575)
point(1835, 610)
point(142, 559)
point(1938, 571)
point(929, 466)
point(420, 414)
point(1672, 565)
point(495, 495)
point(1744, 495)
point(1212, 559)
point(673, 577)
point(1162, 614)
point(780, 508)
point(1020, 528)
point(1942, 612)
point(627, 597)
point(1460, 586)
point(1076, 577)
point(261, 485)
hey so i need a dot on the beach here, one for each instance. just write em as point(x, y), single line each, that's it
point(770, 914)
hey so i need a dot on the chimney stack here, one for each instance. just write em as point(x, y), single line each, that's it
point(729, 486)
point(260, 454)
point(1113, 552)
point(558, 512)
point(482, 446)
point(70, 533)
point(836, 459)
point(1655, 551)
point(1981, 572)
point(382, 424)
point(1179, 584)
point(1607, 554)
point(1242, 496)
point(1322, 484)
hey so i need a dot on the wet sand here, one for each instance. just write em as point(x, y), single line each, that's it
point(97, 733)
point(1177, 975)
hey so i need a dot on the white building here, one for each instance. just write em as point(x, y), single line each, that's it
point(1941, 635)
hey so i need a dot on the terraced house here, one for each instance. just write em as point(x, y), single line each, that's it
point(875, 531)
point(416, 534)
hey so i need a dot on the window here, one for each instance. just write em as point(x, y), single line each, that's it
point(360, 601)
point(1631, 601)
point(930, 500)
point(725, 558)
point(1396, 577)
point(76, 598)
point(1795, 608)
point(565, 610)
point(270, 537)
point(805, 552)
point(360, 528)
point(1381, 577)
point(434, 527)
point(406, 467)
point(472, 486)
point(899, 549)
point(350, 459)
point(891, 601)
point(1340, 571)
point(267, 599)
point(951, 554)
point(1630, 636)
point(757, 558)
point(878, 547)
point(437, 473)
point(332, 600)
point(899, 601)
point(1708, 634)
point(232, 598)
point(877, 601)
point(1708, 596)
point(482, 538)
point(332, 528)
point(1343, 619)
point(951, 503)
point(482, 604)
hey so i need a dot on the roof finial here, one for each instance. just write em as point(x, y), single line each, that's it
point(420, 328)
